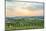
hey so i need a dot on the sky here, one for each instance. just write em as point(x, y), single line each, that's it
point(14, 8)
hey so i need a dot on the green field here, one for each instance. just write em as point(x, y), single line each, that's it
point(24, 23)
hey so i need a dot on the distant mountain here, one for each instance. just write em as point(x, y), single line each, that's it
point(25, 17)
point(13, 19)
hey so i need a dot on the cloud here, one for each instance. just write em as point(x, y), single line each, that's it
point(24, 9)
point(30, 6)
point(24, 4)
point(23, 12)
point(35, 6)
point(31, 0)
point(10, 3)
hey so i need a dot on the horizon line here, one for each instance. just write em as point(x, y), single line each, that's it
point(12, 16)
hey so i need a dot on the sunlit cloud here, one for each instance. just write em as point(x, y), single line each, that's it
point(14, 8)
point(29, 6)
